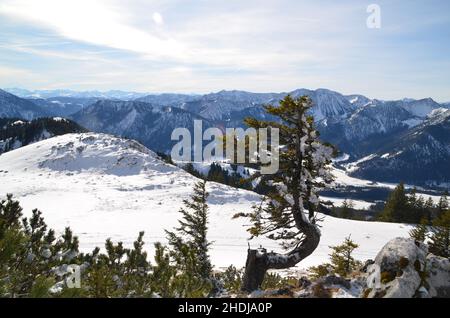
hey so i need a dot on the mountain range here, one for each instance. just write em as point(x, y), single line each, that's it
point(360, 127)
point(112, 94)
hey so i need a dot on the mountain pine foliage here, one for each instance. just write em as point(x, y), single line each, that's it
point(189, 241)
point(419, 232)
point(342, 261)
point(35, 263)
point(440, 236)
point(396, 208)
point(30, 254)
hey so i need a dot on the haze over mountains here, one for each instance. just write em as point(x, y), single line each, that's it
point(394, 138)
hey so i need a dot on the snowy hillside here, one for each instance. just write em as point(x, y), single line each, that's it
point(103, 186)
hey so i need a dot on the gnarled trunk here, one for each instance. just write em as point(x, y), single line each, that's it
point(259, 261)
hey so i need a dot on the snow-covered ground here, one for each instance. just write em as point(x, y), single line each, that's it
point(102, 186)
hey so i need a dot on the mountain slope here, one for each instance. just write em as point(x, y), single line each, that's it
point(374, 123)
point(15, 133)
point(419, 156)
point(327, 103)
point(107, 187)
point(420, 108)
point(150, 124)
point(12, 106)
point(63, 106)
point(168, 99)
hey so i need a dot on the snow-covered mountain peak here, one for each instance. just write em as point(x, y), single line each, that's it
point(358, 100)
point(76, 153)
point(420, 108)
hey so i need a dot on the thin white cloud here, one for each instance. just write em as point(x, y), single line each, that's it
point(102, 23)
point(93, 22)
point(51, 53)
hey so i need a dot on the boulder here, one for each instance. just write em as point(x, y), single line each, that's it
point(438, 276)
point(398, 270)
point(333, 280)
point(304, 282)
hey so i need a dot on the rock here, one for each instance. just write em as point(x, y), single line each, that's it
point(438, 276)
point(304, 282)
point(366, 265)
point(398, 269)
point(287, 291)
point(335, 280)
point(327, 287)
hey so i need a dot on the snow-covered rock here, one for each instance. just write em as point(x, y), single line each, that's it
point(404, 269)
point(438, 276)
point(400, 264)
point(331, 286)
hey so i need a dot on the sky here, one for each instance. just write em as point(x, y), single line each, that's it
point(200, 46)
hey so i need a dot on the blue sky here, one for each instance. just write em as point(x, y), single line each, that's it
point(209, 45)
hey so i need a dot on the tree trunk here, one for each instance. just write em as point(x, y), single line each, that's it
point(259, 261)
point(255, 270)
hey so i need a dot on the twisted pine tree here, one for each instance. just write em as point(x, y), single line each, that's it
point(303, 169)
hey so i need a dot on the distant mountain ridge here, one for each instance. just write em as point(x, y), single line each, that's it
point(150, 124)
point(113, 94)
point(12, 106)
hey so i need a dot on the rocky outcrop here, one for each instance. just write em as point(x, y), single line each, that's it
point(404, 269)
point(331, 286)
point(438, 278)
